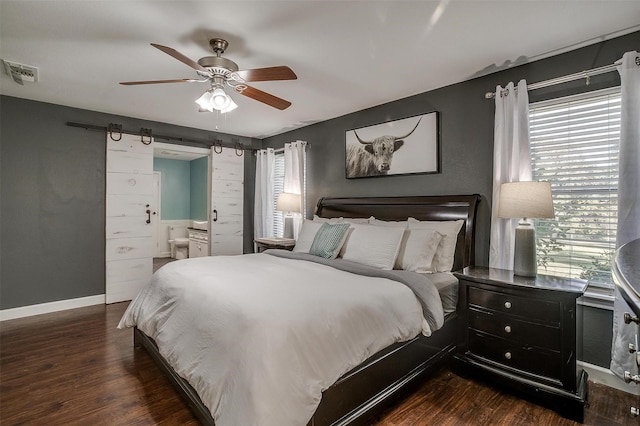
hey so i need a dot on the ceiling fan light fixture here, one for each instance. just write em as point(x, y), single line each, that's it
point(216, 99)
point(219, 99)
point(204, 101)
point(231, 107)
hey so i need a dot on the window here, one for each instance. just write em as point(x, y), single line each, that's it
point(574, 145)
point(278, 187)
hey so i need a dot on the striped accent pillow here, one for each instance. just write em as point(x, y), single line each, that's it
point(328, 240)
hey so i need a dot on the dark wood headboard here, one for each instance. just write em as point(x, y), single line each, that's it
point(440, 207)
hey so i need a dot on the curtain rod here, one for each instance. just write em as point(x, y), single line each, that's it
point(567, 78)
point(117, 129)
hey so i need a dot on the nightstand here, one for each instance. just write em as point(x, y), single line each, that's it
point(523, 333)
point(274, 243)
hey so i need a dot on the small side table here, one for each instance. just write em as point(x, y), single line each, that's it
point(274, 243)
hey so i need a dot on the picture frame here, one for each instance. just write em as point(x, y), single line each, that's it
point(405, 146)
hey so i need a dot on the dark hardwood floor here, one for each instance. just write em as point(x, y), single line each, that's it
point(75, 368)
point(159, 262)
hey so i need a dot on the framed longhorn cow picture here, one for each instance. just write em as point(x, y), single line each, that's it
point(406, 146)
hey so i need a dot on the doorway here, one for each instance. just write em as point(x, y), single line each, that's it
point(181, 190)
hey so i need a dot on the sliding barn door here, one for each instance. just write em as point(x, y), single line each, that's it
point(129, 239)
point(227, 194)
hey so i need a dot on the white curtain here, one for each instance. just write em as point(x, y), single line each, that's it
point(511, 163)
point(628, 201)
point(263, 210)
point(294, 178)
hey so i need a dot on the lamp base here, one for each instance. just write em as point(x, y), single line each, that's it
point(524, 258)
point(288, 226)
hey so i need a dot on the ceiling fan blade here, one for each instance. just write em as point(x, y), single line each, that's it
point(267, 74)
point(179, 56)
point(266, 98)
point(180, 80)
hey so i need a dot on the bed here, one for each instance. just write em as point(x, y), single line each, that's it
point(375, 382)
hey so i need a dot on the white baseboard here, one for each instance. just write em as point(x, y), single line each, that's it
point(606, 377)
point(46, 308)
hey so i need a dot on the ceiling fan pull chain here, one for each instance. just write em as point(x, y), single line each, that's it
point(114, 128)
point(145, 132)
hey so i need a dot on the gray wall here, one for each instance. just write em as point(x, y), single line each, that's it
point(52, 191)
point(466, 143)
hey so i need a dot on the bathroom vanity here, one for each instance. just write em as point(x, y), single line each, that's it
point(198, 242)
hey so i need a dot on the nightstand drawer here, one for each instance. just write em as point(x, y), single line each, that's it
point(507, 327)
point(524, 358)
point(532, 309)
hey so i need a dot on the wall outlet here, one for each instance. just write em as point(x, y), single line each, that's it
point(20, 72)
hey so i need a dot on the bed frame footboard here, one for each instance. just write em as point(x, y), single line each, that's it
point(182, 386)
point(358, 396)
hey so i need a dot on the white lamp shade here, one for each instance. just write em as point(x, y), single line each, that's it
point(288, 202)
point(231, 107)
point(525, 200)
point(205, 101)
point(219, 99)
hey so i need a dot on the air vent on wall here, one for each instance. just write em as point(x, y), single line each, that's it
point(20, 72)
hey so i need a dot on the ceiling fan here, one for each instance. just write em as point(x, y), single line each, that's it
point(221, 71)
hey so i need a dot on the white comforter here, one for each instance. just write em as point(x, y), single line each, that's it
point(260, 337)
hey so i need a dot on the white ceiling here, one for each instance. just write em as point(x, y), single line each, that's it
point(348, 55)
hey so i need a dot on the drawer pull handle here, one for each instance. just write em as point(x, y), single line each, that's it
point(507, 329)
point(507, 305)
point(507, 355)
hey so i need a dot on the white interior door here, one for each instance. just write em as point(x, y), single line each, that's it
point(227, 194)
point(129, 241)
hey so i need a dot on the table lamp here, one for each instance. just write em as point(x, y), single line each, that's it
point(525, 200)
point(288, 203)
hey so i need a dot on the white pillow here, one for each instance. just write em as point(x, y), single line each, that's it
point(378, 222)
point(362, 220)
point(443, 259)
point(341, 219)
point(418, 250)
point(306, 235)
point(375, 246)
point(319, 219)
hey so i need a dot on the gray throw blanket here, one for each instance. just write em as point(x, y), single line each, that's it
point(422, 287)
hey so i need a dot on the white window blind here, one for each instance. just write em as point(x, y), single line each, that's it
point(278, 187)
point(574, 145)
